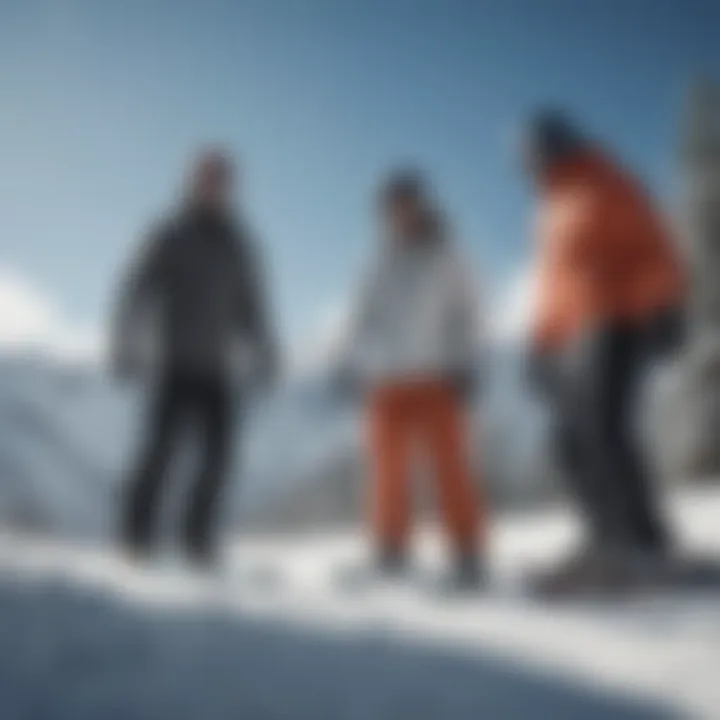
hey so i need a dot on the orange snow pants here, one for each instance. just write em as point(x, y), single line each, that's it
point(428, 417)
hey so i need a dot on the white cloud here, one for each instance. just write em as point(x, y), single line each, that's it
point(32, 321)
point(327, 338)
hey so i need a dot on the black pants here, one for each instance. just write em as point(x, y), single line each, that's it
point(596, 397)
point(205, 404)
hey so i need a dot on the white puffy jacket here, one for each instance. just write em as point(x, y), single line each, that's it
point(417, 315)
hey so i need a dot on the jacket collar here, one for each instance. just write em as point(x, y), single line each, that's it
point(583, 167)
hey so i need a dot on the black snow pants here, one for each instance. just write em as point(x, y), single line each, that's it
point(596, 396)
point(205, 405)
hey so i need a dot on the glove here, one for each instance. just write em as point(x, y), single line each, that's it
point(465, 384)
point(540, 374)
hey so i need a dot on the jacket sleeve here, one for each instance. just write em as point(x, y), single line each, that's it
point(545, 323)
point(139, 288)
point(542, 320)
point(580, 250)
point(253, 315)
point(465, 328)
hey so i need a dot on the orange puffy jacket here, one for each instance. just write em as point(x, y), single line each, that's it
point(605, 253)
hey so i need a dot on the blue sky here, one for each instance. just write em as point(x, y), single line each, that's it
point(103, 101)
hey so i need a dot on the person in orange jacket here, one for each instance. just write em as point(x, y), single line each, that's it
point(611, 287)
point(413, 348)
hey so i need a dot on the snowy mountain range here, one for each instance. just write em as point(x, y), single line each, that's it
point(68, 433)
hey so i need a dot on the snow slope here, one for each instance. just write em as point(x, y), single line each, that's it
point(280, 633)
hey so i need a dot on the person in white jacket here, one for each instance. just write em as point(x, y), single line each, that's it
point(413, 345)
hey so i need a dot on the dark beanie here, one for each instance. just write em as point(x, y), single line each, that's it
point(404, 184)
point(550, 137)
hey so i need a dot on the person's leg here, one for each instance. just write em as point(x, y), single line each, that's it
point(214, 420)
point(579, 446)
point(597, 447)
point(646, 529)
point(143, 492)
point(595, 401)
point(445, 438)
point(574, 448)
point(555, 379)
point(627, 506)
point(389, 446)
point(572, 462)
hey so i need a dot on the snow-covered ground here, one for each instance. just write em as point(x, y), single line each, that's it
point(284, 632)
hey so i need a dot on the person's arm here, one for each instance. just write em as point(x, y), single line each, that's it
point(139, 287)
point(574, 248)
point(253, 311)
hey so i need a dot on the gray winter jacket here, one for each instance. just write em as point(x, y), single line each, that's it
point(417, 315)
point(196, 291)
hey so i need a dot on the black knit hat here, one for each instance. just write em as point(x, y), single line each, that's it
point(550, 137)
point(404, 184)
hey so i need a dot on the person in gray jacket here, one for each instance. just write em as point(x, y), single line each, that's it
point(197, 284)
point(413, 346)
